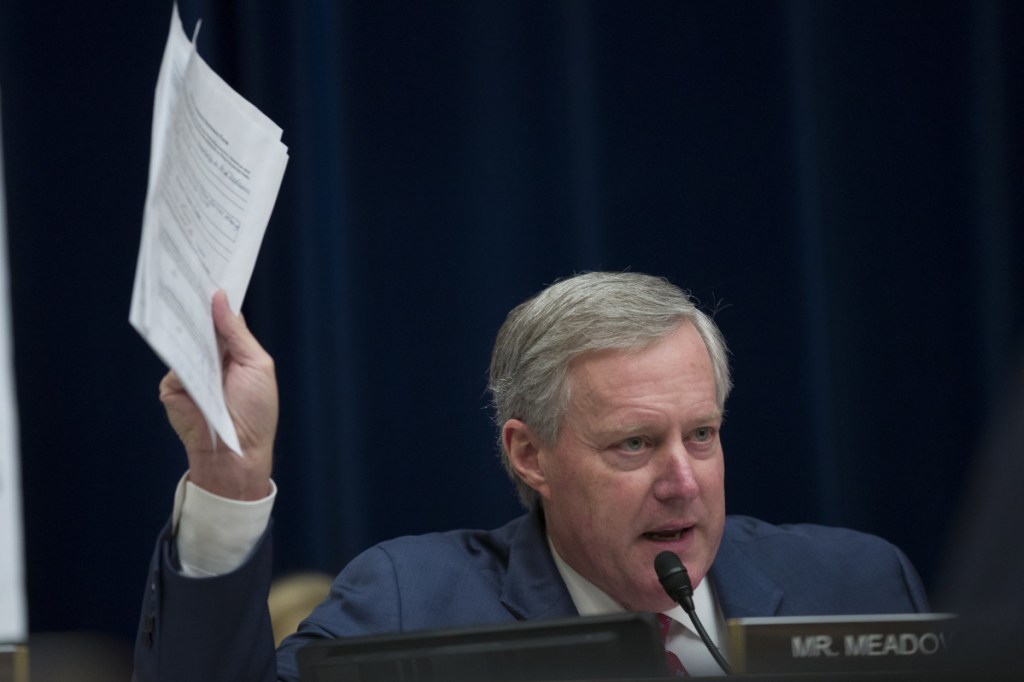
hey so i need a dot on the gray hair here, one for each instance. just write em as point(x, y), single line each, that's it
point(589, 312)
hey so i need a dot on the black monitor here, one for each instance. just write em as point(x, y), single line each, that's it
point(621, 646)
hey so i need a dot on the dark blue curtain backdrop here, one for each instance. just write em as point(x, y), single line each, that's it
point(840, 181)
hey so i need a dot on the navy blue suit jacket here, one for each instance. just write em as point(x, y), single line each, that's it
point(219, 629)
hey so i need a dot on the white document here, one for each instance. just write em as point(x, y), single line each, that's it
point(13, 608)
point(215, 168)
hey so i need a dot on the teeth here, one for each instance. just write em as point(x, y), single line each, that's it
point(667, 536)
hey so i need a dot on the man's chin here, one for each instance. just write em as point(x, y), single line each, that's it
point(654, 604)
point(649, 598)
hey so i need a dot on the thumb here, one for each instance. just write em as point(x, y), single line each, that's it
point(239, 342)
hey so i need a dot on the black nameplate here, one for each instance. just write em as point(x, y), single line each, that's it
point(840, 643)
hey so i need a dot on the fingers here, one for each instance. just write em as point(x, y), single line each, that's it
point(183, 414)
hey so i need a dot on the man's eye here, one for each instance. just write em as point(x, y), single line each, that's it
point(703, 434)
point(634, 444)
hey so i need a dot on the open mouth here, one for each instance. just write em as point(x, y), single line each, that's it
point(668, 535)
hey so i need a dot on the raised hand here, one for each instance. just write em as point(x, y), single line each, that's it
point(250, 390)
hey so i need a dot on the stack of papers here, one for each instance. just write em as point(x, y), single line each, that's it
point(215, 169)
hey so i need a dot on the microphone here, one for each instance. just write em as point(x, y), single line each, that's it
point(673, 577)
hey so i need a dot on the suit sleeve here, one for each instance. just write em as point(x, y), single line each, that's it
point(206, 629)
point(363, 600)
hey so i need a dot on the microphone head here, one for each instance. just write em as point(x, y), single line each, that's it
point(674, 578)
point(667, 563)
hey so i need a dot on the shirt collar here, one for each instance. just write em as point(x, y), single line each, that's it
point(590, 600)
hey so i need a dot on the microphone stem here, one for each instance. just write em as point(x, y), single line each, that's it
point(715, 653)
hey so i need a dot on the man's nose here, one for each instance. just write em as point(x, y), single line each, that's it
point(676, 477)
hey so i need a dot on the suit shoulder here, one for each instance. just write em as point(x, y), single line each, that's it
point(820, 569)
point(809, 537)
point(432, 561)
point(464, 543)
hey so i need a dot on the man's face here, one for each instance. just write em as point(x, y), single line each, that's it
point(638, 468)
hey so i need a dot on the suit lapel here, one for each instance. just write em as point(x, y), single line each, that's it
point(743, 590)
point(533, 587)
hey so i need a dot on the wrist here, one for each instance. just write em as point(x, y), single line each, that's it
point(243, 480)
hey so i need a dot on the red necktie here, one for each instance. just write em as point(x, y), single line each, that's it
point(675, 666)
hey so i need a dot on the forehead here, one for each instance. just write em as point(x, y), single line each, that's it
point(674, 369)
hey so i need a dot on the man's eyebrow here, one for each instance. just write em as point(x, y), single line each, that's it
point(624, 430)
point(638, 425)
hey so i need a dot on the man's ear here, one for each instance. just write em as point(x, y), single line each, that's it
point(523, 449)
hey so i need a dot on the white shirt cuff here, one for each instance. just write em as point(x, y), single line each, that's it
point(214, 534)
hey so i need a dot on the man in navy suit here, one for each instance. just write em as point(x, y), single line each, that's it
point(609, 391)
